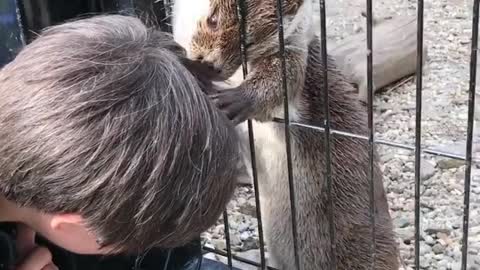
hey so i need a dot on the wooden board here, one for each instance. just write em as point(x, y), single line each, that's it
point(394, 54)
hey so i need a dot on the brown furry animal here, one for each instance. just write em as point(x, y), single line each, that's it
point(213, 37)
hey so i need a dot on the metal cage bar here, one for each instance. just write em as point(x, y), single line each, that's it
point(418, 130)
point(11, 31)
point(284, 85)
point(242, 15)
point(125, 6)
point(328, 170)
point(167, 10)
point(377, 141)
point(227, 239)
point(471, 111)
point(371, 127)
point(167, 261)
point(156, 12)
point(237, 258)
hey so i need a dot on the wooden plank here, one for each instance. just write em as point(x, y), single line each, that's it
point(394, 54)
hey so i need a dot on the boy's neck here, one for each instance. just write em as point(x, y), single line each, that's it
point(10, 212)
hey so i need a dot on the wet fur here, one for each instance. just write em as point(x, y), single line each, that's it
point(260, 97)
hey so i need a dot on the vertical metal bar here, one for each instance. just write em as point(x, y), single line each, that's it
point(22, 25)
point(156, 13)
point(200, 262)
point(227, 238)
point(371, 126)
point(167, 261)
point(21, 28)
point(122, 6)
point(418, 129)
point(281, 40)
point(328, 170)
point(11, 31)
point(242, 14)
point(471, 111)
point(167, 5)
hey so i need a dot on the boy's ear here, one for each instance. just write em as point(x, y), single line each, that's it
point(60, 220)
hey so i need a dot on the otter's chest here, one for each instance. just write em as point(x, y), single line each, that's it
point(271, 157)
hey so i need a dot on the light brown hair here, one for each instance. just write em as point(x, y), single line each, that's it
point(100, 117)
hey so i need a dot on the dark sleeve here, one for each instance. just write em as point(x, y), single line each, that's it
point(7, 246)
point(183, 258)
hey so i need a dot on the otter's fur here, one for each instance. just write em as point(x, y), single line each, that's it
point(260, 97)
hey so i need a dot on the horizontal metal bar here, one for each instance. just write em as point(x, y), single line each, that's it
point(237, 258)
point(378, 141)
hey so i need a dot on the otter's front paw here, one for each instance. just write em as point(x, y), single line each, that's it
point(235, 104)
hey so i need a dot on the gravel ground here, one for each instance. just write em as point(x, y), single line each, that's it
point(444, 126)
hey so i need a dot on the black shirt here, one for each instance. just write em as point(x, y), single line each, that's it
point(188, 257)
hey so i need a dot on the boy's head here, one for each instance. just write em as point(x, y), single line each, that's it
point(106, 136)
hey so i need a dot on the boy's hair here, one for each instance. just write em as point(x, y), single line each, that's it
point(100, 117)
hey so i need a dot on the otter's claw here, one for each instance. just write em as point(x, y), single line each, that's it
point(237, 107)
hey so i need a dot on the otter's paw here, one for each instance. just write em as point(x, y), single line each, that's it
point(235, 104)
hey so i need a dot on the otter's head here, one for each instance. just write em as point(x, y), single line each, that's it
point(210, 29)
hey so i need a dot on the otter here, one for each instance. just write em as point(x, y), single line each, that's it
point(209, 30)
